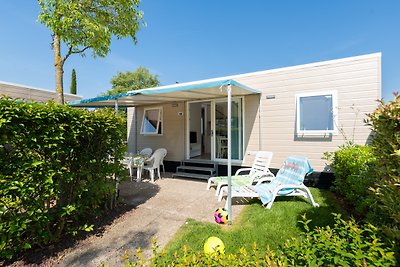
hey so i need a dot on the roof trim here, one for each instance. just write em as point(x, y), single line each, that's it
point(35, 88)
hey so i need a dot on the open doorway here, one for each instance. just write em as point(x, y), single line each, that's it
point(200, 130)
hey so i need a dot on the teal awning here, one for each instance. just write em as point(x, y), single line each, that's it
point(167, 94)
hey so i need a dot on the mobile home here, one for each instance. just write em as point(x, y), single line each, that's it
point(300, 110)
point(29, 93)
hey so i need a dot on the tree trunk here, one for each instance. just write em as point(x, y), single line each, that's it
point(59, 69)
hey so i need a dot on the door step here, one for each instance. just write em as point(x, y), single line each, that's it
point(182, 168)
point(199, 169)
point(191, 175)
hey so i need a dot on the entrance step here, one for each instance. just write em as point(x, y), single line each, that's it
point(194, 168)
point(191, 175)
point(199, 169)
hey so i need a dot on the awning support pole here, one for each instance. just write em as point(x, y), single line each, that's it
point(116, 105)
point(229, 89)
point(115, 176)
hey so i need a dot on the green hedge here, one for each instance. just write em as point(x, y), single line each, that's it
point(385, 122)
point(56, 168)
point(354, 167)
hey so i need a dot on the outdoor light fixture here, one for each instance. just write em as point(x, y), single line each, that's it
point(270, 97)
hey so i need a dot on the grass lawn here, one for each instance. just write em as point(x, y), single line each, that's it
point(258, 225)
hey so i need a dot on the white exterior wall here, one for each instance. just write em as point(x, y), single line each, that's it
point(173, 137)
point(270, 123)
point(357, 82)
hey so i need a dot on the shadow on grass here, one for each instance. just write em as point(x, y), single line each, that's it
point(323, 215)
point(131, 195)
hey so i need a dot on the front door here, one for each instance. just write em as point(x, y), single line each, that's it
point(207, 130)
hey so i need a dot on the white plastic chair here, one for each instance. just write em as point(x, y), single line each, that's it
point(130, 162)
point(259, 169)
point(222, 146)
point(162, 161)
point(154, 163)
point(146, 152)
point(127, 161)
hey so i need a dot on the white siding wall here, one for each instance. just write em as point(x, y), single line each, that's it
point(358, 84)
point(252, 141)
point(173, 138)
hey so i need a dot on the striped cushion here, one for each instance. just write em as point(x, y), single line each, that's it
point(293, 172)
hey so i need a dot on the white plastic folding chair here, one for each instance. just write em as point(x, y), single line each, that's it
point(127, 161)
point(162, 160)
point(146, 152)
point(154, 163)
point(222, 146)
point(136, 162)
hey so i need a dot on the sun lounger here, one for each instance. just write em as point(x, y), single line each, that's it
point(288, 182)
point(259, 169)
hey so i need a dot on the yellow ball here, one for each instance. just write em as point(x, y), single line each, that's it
point(214, 245)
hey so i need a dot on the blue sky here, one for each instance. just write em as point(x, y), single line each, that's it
point(193, 40)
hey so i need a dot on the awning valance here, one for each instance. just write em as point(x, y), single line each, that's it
point(167, 94)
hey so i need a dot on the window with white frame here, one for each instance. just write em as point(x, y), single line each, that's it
point(316, 113)
point(152, 121)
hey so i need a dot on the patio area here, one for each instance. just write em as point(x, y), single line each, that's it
point(158, 211)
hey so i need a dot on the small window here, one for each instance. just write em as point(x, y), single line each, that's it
point(316, 113)
point(152, 121)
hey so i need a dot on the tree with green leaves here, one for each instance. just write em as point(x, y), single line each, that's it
point(128, 81)
point(72, 89)
point(87, 24)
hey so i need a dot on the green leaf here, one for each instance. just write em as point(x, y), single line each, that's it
point(36, 163)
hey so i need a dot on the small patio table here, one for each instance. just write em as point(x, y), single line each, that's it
point(138, 163)
point(135, 161)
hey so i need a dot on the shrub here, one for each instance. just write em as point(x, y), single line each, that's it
point(188, 257)
point(347, 244)
point(55, 170)
point(354, 174)
point(385, 122)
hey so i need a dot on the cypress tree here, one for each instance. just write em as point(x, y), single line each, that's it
point(73, 82)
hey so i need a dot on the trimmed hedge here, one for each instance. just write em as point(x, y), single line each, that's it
point(57, 167)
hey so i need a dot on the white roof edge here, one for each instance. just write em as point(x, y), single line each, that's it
point(35, 88)
point(314, 64)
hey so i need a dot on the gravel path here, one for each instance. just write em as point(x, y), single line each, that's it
point(160, 210)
